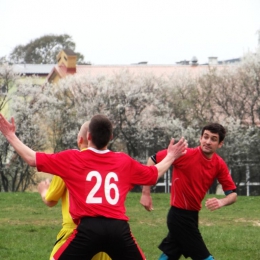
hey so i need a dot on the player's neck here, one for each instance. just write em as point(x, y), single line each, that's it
point(93, 146)
point(208, 155)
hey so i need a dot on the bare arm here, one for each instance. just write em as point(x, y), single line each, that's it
point(43, 187)
point(8, 130)
point(146, 199)
point(214, 203)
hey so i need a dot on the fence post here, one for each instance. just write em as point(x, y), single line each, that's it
point(247, 180)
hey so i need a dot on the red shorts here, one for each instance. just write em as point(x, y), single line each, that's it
point(99, 234)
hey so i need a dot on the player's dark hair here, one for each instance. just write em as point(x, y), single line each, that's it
point(216, 129)
point(101, 129)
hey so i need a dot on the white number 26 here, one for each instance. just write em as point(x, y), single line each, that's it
point(92, 199)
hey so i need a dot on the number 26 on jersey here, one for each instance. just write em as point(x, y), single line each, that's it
point(109, 185)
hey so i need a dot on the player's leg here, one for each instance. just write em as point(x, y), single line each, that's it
point(163, 257)
point(95, 235)
point(183, 226)
point(209, 258)
point(169, 245)
point(62, 236)
point(83, 243)
point(169, 249)
point(122, 245)
point(194, 245)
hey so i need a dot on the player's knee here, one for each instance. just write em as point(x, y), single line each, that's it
point(163, 257)
point(209, 258)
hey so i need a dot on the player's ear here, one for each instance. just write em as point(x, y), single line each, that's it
point(81, 140)
point(220, 144)
point(89, 137)
point(111, 137)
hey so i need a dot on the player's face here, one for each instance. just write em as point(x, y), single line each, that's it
point(209, 143)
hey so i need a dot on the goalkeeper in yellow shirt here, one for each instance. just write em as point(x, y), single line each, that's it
point(52, 192)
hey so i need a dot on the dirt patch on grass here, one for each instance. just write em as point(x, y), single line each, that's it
point(239, 220)
point(253, 222)
point(205, 223)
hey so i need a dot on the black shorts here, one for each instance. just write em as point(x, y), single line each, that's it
point(99, 234)
point(184, 237)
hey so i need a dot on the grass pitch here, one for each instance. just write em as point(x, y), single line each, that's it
point(28, 228)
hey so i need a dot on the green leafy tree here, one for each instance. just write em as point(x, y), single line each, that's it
point(43, 50)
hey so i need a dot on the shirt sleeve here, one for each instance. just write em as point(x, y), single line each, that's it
point(225, 178)
point(56, 189)
point(143, 174)
point(159, 156)
point(56, 164)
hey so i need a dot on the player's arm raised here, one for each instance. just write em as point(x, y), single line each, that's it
point(8, 130)
point(174, 151)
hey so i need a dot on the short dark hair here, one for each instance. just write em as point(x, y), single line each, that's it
point(216, 129)
point(101, 130)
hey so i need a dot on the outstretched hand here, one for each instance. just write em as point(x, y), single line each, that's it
point(178, 149)
point(6, 127)
point(8, 130)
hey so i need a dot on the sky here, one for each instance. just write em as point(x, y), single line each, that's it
point(111, 32)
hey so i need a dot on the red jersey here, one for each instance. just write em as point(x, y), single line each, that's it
point(192, 176)
point(98, 181)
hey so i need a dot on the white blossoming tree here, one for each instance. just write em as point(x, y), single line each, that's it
point(15, 174)
point(146, 111)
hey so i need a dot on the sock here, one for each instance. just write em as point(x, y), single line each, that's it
point(163, 257)
point(209, 258)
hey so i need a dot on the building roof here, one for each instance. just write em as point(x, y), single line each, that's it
point(235, 60)
point(67, 66)
point(70, 52)
point(33, 69)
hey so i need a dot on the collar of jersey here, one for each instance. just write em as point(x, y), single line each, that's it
point(98, 151)
point(84, 149)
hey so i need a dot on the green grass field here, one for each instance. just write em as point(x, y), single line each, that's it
point(28, 228)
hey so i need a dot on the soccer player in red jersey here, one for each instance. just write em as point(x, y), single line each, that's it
point(192, 176)
point(98, 181)
point(52, 192)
